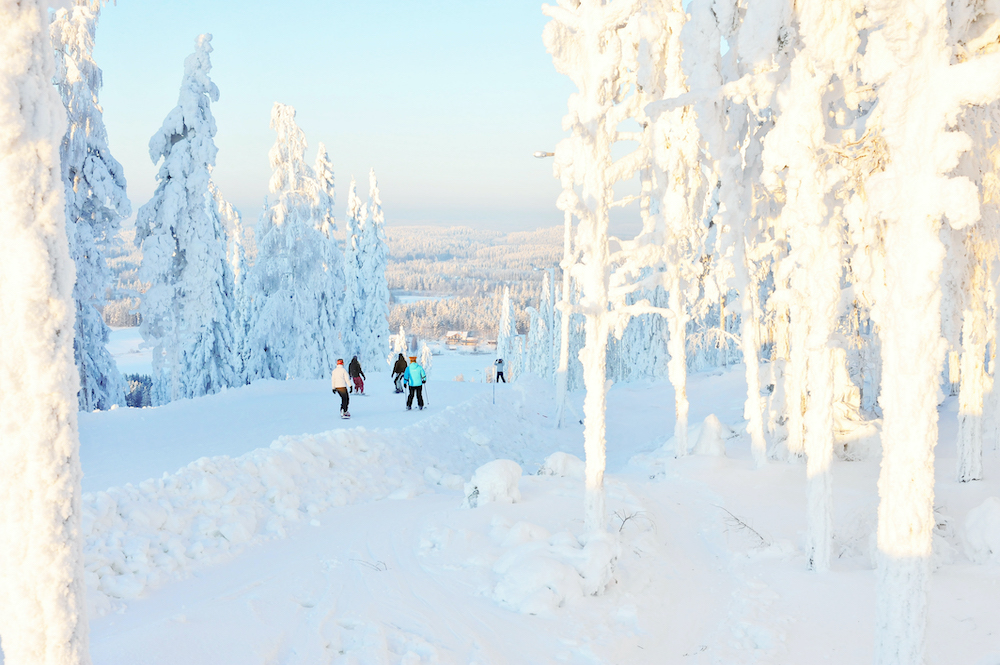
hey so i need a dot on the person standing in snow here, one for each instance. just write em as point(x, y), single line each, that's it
point(499, 364)
point(397, 372)
point(415, 377)
point(357, 376)
point(340, 380)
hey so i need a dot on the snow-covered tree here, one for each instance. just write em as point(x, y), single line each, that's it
point(95, 199)
point(425, 357)
point(397, 345)
point(43, 613)
point(293, 291)
point(506, 336)
point(373, 259)
point(586, 40)
point(353, 307)
point(187, 313)
point(920, 94)
point(236, 256)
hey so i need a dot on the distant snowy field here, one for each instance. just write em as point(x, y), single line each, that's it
point(125, 346)
point(345, 541)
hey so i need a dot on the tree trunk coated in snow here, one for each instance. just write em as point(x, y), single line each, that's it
point(43, 618)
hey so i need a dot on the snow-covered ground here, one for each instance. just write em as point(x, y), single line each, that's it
point(346, 541)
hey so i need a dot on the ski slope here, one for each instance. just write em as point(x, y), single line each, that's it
point(377, 562)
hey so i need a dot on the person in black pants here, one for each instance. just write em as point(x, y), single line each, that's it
point(397, 372)
point(499, 364)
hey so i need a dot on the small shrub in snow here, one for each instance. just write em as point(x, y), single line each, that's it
point(982, 532)
point(493, 482)
point(712, 438)
point(563, 465)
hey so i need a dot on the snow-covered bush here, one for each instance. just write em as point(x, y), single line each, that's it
point(493, 482)
point(564, 465)
point(712, 438)
point(982, 532)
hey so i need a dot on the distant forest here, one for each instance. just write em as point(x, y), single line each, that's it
point(467, 267)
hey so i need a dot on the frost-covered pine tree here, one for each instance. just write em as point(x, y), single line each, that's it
point(187, 313)
point(293, 292)
point(795, 148)
point(95, 199)
point(397, 345)
point(920, 94)
point(352, 309)
point(374, 256)
point(587, 39)
point(43, 612)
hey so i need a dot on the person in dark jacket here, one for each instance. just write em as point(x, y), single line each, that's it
point(397, 372)
point(357, 376)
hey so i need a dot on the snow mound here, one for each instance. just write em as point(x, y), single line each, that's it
point(493, 482)
point(712, 438)
point(563, 465)
point(982, 532)
point(540, 575)
point(142, 536)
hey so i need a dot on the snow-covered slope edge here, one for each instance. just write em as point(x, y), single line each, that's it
point(141, 536)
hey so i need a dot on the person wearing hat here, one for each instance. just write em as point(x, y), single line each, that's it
point(397, 372)
point(415, 377)
point(354, 370)
point(340, 381)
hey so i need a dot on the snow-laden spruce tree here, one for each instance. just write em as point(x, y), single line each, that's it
point(187, 313)
point(397, 345)
point(506, 334)
point(236, 256)
point(374, 258)
point(920, 95)
point(95, 199)
point(425, 357)
point(43, 616)
point(353, 307)
point(293, 291)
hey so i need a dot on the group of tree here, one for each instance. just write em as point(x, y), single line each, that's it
point(821, 191)
point(212, 318)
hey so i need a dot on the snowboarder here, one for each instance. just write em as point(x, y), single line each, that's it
point(340, 380)
point(354, 369)
point(397, 372)
point(499, 363)
point(415, 377)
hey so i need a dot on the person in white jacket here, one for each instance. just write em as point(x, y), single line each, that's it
point(340, 380)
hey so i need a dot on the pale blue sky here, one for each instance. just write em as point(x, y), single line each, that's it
point(447, 99)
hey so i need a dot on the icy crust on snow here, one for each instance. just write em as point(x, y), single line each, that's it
point(141, 536)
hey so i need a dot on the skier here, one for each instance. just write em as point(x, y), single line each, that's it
point(357, 376)
point(499, 364)
point(340, 380)
point(415, 377)
point(397, 372)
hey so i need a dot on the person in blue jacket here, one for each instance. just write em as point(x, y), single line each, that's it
point(414, 376)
